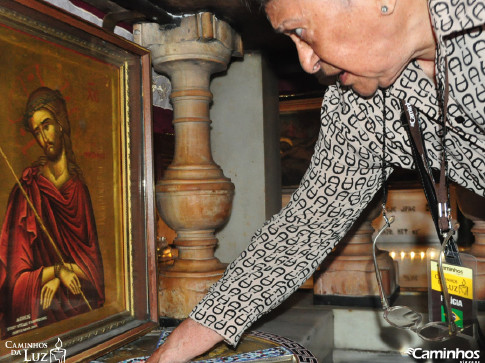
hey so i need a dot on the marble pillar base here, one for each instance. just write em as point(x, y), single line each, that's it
point(348, 274)
point(180, 291)
point(345, 281)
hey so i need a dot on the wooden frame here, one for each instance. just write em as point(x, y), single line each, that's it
point(300, 104)
point(104, 82)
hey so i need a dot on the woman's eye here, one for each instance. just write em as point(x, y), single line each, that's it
point(299, 32)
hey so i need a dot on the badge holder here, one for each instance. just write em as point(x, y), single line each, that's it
point(460, 285)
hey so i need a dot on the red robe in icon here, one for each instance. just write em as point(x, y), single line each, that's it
point(25, 250)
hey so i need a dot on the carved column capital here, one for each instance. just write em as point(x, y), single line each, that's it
point(200, 37)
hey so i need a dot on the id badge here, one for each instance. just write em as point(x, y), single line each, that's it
point(460, 281)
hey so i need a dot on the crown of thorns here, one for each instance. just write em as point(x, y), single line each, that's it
point(41, 101)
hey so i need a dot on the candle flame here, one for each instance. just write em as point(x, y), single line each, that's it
point(167, 253)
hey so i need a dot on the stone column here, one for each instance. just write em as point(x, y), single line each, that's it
point(347, 277)
point(194, 198)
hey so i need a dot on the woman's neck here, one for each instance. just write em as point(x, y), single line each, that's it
point(422, 37)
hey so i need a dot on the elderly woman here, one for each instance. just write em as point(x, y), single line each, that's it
point(384, 52)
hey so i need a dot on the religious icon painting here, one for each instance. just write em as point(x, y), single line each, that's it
point(75, 179)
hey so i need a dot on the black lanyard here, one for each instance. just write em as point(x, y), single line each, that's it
point(436, 192)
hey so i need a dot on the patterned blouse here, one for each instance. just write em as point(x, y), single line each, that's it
point(345, 170)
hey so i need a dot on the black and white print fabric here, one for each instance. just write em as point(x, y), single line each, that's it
point(345, 170)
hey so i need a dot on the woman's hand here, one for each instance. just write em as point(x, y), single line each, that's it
point(48, 291)
point(186, 342)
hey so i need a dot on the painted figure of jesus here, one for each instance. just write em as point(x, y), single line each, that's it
point(42, 279)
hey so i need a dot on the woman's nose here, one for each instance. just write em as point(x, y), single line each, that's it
point(308, 58)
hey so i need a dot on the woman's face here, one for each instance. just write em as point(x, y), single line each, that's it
point(348, 38)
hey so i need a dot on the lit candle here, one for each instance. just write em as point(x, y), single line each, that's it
point(412, 255)
point(422, 255)
point(393, 255)
point(402, 255)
